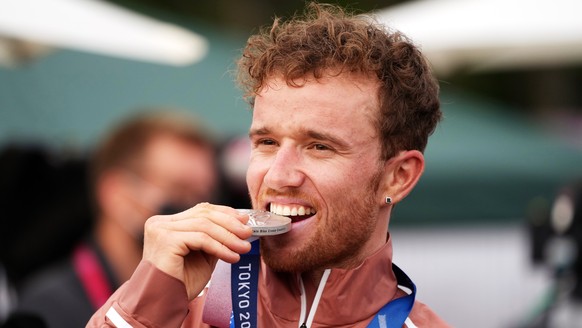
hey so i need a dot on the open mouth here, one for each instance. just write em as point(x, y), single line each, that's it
point(296, 213)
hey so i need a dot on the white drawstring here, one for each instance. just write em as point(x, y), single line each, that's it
point(303, 303)
point(316, 300)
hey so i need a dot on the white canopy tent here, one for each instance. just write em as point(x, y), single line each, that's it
point(491, 34)
point(99, 27)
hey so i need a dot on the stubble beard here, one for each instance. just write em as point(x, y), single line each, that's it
point(338, 243)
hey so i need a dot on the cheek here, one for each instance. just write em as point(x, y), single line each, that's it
point(254, 177)
point(345, 176)
point(356, 181)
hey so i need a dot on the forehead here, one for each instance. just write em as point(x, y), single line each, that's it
point(168, 154)
point(347, 102)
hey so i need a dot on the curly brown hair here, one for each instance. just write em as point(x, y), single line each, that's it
point(328, 40)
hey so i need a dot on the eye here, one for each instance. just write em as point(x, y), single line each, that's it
point(267, 142)
point(264, 142)
point(321, 147)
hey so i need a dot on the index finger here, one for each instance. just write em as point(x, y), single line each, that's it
point(224, 216)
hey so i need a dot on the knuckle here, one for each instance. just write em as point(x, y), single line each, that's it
point(154, 219)
point(203, 206)
point(153, 223)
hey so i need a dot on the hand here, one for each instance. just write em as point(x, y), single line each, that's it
point(187, 245)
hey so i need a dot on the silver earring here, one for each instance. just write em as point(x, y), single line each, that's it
point(388, 200)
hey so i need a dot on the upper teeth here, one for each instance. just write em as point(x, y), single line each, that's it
point(291, 210)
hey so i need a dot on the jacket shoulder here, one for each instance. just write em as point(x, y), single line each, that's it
point(422, 316)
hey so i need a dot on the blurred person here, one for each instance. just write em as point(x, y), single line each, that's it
point(556, 241)
point(342, 111)
point(156, 162)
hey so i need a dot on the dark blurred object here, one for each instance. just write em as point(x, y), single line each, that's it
point(538, 224)
point(45, 207)
point(24, 320)
point(556, 242)
point(234, 155)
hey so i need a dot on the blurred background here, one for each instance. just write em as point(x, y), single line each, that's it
point(492, 233)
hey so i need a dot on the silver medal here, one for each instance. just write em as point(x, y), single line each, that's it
point(266, 223)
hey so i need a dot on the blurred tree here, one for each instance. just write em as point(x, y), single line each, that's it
point(242, 15)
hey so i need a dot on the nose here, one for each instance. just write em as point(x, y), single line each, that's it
point(285, 169)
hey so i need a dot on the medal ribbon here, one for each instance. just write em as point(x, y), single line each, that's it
point(244, 280)
point(395, 312)
point(244, 291)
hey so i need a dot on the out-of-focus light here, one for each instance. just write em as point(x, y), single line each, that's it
point(491, 34)
point(100, 27)
point(562, 214)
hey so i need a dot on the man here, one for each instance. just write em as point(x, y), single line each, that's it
point(155, 162)
point(342, 111)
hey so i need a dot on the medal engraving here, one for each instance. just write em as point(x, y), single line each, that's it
point(266, 223)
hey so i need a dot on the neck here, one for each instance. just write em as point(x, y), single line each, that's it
point(377, 240)
point(121, 250)
point(311, 281)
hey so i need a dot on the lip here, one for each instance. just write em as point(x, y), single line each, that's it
point(301, 223)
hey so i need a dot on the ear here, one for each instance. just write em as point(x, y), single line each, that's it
point(401, 173)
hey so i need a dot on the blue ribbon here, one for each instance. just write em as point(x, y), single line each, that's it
point(395, 312)
point(244, 290)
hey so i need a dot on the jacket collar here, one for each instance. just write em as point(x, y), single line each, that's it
point(350, 296)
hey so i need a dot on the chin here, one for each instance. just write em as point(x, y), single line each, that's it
point(280, 264)
point(279, 255)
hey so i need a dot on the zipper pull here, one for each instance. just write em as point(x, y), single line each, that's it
point(303, 325)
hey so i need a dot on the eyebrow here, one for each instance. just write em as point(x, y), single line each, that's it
point(326, 137)
point(305, 132)
point(259, 132)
